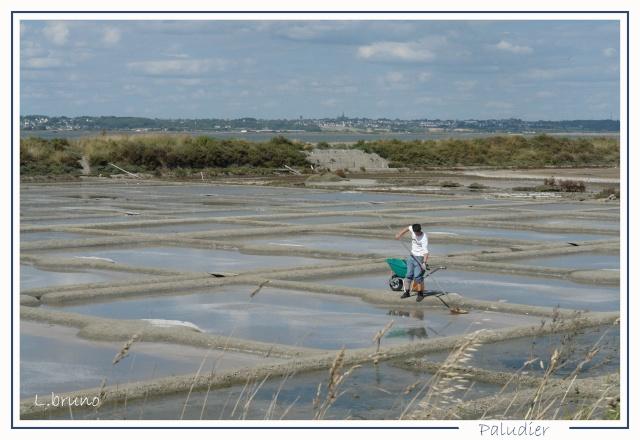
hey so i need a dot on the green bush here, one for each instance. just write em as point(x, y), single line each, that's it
point(537, 151)
point(48, 156)
point(571, 186)
point(171, 152)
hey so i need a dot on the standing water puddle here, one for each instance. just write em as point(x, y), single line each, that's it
point(358, 245)
point(574, 261)
point(54, 360)
point(547, 292)
point(573, 347)
point(298, 318)
point(520, 234)
point(31, 277)
point(194, 260)
point(368, 393)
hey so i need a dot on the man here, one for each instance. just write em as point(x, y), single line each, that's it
point(417, 261)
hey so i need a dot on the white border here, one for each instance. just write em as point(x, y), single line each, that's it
point(467, 428)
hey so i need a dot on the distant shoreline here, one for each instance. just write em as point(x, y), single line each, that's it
point(336, 137)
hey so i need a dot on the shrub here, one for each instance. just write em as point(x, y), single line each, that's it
point(521, 151)
point(449, 184)
point(48, 156)
point(571, 186)
point(608, 192)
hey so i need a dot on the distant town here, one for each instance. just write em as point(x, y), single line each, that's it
point(338, 124)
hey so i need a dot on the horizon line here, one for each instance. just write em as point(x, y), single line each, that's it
point(323, 117)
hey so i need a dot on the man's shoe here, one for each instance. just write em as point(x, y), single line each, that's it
point(405, 294)
point(420, 296)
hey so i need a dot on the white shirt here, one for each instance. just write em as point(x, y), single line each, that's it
point(419, 245)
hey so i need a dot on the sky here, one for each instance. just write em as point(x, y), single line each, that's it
point(527, 69)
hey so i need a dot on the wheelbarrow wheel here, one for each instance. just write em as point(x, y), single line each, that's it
point(396, 283)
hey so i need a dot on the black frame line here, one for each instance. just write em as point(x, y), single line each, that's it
point(304, 12)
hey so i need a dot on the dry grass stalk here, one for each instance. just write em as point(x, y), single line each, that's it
point(335, 379)
point(193, 382)
point(146, 394)
point(286, 411)
point(247, 405)
point(101, 396)
point(408, 390)
point(259, 288)
point(447, 381)
point(126, 394)
point(244, 388)
point(124, 351)
point(381, 333)
point(212, 375)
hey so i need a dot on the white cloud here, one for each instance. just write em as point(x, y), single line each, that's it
point(310, 30)
point(192, 67)
point(554, 73)
point(412, 52)
point(428, 100)
point(394, 77)
point(424, 76)
point(57, 32)
point(24, 29)
point(544, 94)
point(609, 52)
point(29, 49)
point(513, 48)
point(41, 62)
point(465, 85)
point(394, 81)
point(329, 102)
point(111, 36)
point(500, 105)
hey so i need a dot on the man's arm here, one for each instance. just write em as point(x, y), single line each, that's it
point(402, 232)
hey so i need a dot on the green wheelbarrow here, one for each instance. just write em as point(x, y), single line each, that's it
point(399, 272)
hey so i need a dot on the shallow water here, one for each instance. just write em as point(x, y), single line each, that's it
point(573, 347)
point(547, 292)
point(369, 393)
point(53, 359)
point(575, 261)
point(226, 213)
point(86, 220)
point(298, 318)
point(31, 277)
point(521, 234)
point(425, 215)
point(471, 202)
point(193, 260)
point(50, 235)
point(351, 196)
point(561, 206)
point(327, 219)
point(190, 227)
point(358, 245)
point(584, 223)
